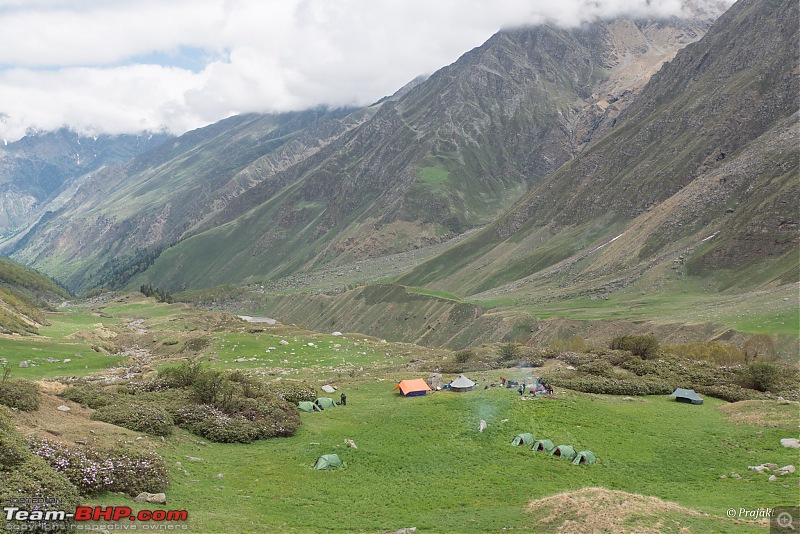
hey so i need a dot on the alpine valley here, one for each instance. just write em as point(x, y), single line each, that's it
point(626, 175)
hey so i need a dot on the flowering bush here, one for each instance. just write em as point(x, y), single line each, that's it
point(291, 391)
point(139, 416)
point(96, 470)
point(24, 475)
point(213, 424)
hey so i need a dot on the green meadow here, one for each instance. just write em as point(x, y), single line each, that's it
point(421, 462)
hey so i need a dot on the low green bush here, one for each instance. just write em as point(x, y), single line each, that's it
point(180, 376)
point(597, 368)
point(761, 376)
point(463, 356)
point(642, 346)
point(603, 385)
point(730, 393)
point(90, 395)
point(21, 394)
point(213, 424)
point(138, 416)
point(291, 391)
point(509, 351)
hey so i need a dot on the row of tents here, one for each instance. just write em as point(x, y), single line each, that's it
point(321, 403)
point(561, 451)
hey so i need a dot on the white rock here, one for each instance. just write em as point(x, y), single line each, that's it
point(792, 443)
point(283, 342)
point(157, 498)
point(785, 470)
point(482, 426)
point(63, 408)
point(336, 334)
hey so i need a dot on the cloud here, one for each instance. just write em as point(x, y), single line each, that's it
point(129, 65)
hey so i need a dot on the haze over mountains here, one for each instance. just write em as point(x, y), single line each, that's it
point(582, 162)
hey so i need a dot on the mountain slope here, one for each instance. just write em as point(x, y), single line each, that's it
point(708, 147)
point(121, 217)
point(38, 167)
point(446, 157)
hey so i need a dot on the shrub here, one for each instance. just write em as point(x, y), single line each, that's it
point(271, 417)
point(140, 417)
point(213, 424)
point(89, 395)
point(20, 394)
point(730, 393)
point(642, 346)
point(598, 368)
point(762, 376)
point(97, 470)
point(291, 391)
point(183, 375)
point(463, 356)
point(597, 384)
point(509, 351)
point(24, 475)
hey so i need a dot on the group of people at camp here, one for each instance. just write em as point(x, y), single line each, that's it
point(540, 387)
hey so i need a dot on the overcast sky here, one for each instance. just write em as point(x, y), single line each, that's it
point(113, 66)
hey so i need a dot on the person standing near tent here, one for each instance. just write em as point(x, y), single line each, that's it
point(344, 399)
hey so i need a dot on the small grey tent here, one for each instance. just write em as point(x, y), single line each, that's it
point(543, 445)
point(461, 384)
point(564, 451)
point(306, 406)
point(328, 461)
point(687, 396)
point(325, 402)
point(584, 457)
point(522, 439)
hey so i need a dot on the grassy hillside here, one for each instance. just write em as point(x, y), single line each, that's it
point(24, 294)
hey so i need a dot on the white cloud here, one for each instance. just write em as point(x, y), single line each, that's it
point(76, 62)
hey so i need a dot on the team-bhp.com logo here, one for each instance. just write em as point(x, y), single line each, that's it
point(93, 513)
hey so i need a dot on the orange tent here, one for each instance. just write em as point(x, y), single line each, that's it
point(412, 388)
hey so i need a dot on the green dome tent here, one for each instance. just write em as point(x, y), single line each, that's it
point(522, 439)
point(328, 461)
point(543, 445)
point(564, 451)
point(584, 457)
point(325, 402)
point(307, 406)
point(686, 395)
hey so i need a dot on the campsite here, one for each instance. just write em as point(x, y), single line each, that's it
point(673, 465)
